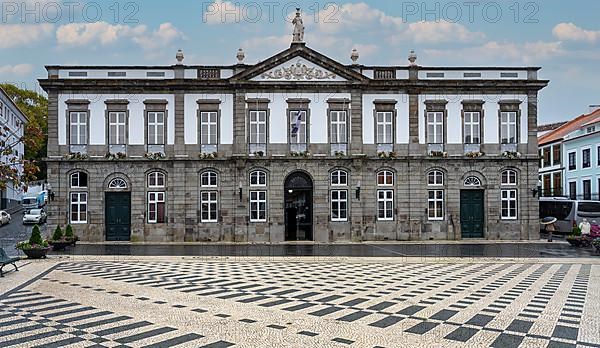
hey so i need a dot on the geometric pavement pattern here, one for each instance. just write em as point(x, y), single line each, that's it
point(320, 304)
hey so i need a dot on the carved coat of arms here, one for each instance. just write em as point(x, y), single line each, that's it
point(298, 72)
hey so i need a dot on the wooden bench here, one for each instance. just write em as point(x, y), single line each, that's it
point(6, 260)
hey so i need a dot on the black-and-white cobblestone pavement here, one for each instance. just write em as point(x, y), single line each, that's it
point(309, 304)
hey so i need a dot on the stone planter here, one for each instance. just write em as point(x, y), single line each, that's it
point(60, 245)
point(36, 253)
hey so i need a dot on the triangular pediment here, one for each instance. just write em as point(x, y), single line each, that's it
point(299, 64)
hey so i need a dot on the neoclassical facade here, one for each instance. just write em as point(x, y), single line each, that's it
point(296, 147)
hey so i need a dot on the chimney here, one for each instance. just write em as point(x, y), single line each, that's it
point(594, 108)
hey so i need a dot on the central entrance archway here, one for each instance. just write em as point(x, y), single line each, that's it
point(298, 207)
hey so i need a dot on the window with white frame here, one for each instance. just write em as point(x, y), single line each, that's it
point(435, 178)
point(572, 160)
point(385, 178)
point(116, 128)
point(156, 207)
point(509, 200)
point(208, 179)
point(156, 180)
point(435, 127)
point(385, 122)
point(156, 128)
point(339, 178)
point(258, 178)
point(508, 127)
point(435, 195)
point(2, 112)
point(78, 128)
point(586, 158)
point(79, 180)
point(258, 206)
point(472, 127)
point(208, 206)
point(339, 205)
point(472, 181)
point(78, 207)
point(117, 183)
point(509, 178)
point(509, 204)
point(298, 134)
point(587, 189)
point(208, 127)
point(385, 205)
point(258, 127)
point(338, 127)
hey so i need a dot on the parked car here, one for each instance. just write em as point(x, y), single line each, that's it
point(4, 218)
point(569, 212)
point(35, 216)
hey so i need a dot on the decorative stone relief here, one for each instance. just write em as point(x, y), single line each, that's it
point(299, 72)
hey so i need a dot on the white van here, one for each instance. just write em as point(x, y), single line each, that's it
point(569, 212)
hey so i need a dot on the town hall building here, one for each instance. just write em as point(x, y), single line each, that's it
point(298, 147)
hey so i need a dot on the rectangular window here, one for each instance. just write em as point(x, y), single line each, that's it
point(258, 127)
point(339, 205)
point(509, 205)
point(598, 159)
point(116, 128)
point(385, 127)
point(573, 190)
point(79, 208)
point(572, 160)
point(546, 155)
point(587, 190)
point(338, 127)
point(78, 124)
point(586, 158)
point(208, 206)
point(258, 206)
point(208, 128)
point(156, 207)
point(435, 205)
point(385, 205)
point(298, 133)
point(2, 111)
point(557, 188)
point(508, 127)
point(472, 127)
point(556, 156)
point(156, 128)
point(435, 127)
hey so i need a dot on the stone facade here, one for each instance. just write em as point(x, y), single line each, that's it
point(409, 160)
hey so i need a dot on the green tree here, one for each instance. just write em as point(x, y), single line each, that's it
point(58, 234)
point(36, 236)
point(35, 139)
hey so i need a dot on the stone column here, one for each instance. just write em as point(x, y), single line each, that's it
point(240, 146)
point(179, 123)
point(53, 148)
point(356, 140)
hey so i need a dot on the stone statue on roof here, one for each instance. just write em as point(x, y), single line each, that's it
point(298, 36)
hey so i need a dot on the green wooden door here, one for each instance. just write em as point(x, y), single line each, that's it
point(118, 216)
point(471, 213)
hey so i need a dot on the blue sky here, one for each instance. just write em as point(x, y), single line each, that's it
point(561, 37)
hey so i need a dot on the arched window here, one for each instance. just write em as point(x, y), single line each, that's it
point(156, 179)
point(258, 178)
point(117, 183)
point(435, 178)
point(79, 180)
point(472, 181)
point(385, 178)
point(339, 178)
point(509, 177)
point(208, 179)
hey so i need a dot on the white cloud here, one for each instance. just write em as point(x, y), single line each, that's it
point(355, 17)
point(165, 34)
point(221, 12)
point(571, 32)
point(496, 53)
point(16, 70)
point(15, 35)
point(438, 32)
point(81, 34)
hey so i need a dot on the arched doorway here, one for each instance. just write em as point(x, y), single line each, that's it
point(298, 207)
point(117, 210)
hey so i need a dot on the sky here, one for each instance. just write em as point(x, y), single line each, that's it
point(563, 38)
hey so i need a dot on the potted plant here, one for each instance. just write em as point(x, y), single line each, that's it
point(59, 241)
point(575, 237)
point(596, 244)
point(35, 247)
point(70, 236)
